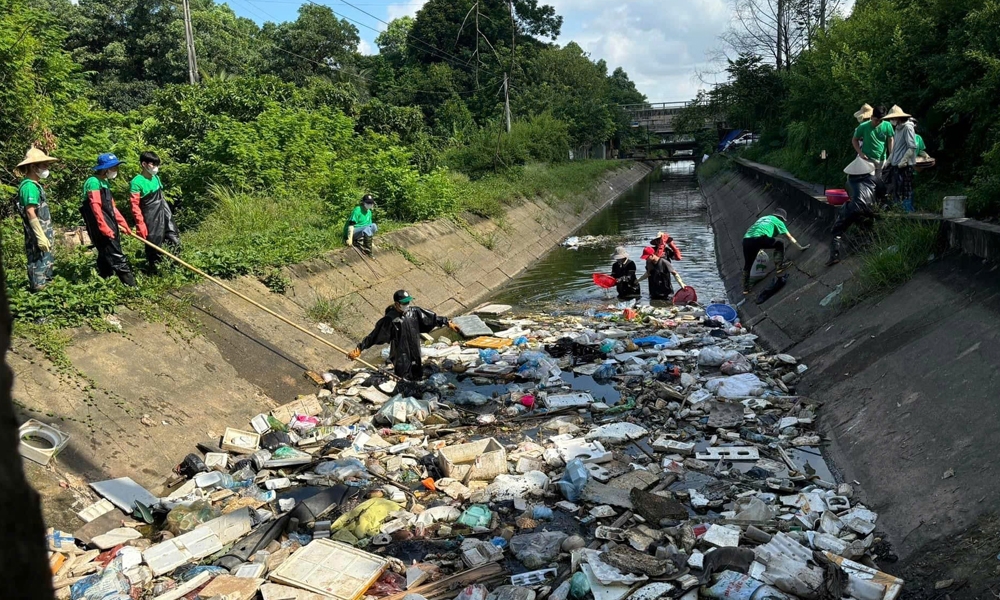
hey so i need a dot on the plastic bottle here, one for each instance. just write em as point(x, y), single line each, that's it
point(573, 480)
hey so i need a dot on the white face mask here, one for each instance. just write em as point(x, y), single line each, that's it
point(43, 174)
point(112, 174)
point(154, 170)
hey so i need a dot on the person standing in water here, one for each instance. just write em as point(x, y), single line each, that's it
point(623, 270)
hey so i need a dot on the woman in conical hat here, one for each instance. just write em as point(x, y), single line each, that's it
point(903, 158)
point(35, 217)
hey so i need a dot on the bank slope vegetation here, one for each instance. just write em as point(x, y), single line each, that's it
point(289, 125)
point(937, 59)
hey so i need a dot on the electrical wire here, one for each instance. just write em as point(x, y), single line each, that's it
point(347, 73)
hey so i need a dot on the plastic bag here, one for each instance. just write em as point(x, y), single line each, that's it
point(400, 410)
point(537, 549)
point(470, 397)
point(342, 469)
point(736, 366)
point(714, 356)
point(532, 357)
point(304, 423)
point(109, 585)
point(573, 480)
point(473, 592)
point(605, 372)
point(737, 386)
point(489, 356)
point(185, 518)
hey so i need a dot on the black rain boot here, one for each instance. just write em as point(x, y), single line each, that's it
point(834, 252)
point(359, 240)
point(367, 247)
point(746, 282)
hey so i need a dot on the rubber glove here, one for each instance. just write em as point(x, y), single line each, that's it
point(350, 236)
point(354, 354)
point(43, 240)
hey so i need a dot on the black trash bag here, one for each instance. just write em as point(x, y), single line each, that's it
point(772, 288)
point(272, 440)
point(191, 466)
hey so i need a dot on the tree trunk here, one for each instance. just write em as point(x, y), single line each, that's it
point(24, 565)
point(822, 15)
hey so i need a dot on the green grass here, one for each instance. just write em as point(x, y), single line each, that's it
point(326, 311)
point(897, 248)
point(257, 233)
point(713, 166)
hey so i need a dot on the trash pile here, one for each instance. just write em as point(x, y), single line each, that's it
point(628, 454)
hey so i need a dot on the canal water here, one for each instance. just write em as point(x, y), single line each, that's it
point(667, 200)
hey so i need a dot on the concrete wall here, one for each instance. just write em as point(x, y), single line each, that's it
point(136, 402)
point(907, 379)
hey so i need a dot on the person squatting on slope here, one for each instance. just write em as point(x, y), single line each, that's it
point(763, 235)
point(359, 228)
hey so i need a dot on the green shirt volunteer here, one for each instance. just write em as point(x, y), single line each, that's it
point(766, 226)
point(873, 139)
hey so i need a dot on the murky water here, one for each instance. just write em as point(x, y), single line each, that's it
point(667, 200)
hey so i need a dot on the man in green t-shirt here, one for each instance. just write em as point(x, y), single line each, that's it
point(359, 228)
point(763, 235)
point(873, 140)
point(35, 218)
point(154, 220)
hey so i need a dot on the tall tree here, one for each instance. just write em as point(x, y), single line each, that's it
point(317, 43)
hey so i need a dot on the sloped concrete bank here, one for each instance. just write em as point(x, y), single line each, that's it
point(907, 380)
point(135, 402)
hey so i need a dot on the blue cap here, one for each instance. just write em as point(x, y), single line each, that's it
point(106, 161)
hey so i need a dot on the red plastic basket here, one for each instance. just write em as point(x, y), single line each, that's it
point(604, 281)
point(837, 197)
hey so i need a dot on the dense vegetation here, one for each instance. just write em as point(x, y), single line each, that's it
point(937, 59)
point(289, 125)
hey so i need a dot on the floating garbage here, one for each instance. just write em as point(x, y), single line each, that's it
point(648, 452)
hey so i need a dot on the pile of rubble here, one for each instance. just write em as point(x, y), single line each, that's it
point(503, 477)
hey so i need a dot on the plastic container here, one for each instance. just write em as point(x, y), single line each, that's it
point(722, 310)
point(837, 197)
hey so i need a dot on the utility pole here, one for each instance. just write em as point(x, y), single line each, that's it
point(506, 100)
point(189, 39)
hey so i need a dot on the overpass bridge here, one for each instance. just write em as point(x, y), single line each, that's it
point(658, 121)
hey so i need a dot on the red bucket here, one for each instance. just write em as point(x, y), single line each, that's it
point(837, 197)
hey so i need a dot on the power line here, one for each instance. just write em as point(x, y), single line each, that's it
point(358, 76)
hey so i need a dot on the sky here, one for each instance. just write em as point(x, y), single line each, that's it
point(663, 45)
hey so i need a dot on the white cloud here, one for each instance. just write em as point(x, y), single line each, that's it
point(404, 9)
point(366, 48)
point(662, 45)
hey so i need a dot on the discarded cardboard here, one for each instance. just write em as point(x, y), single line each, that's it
point(231, 588)
point(489, 342)
point(303, 405)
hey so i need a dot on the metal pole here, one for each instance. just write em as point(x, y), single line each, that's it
point(189, 41)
